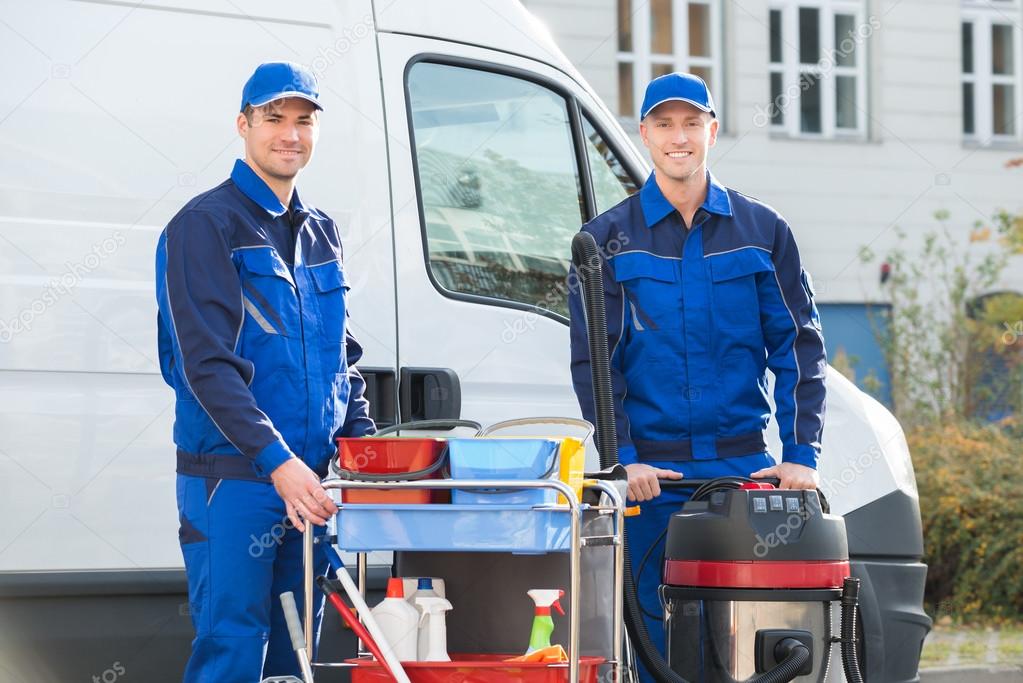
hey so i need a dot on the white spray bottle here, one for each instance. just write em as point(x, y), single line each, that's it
point(433, 632)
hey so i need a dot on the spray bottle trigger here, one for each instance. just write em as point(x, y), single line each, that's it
point(557, 603)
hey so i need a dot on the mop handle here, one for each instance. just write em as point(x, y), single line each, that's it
point(367, 616)
point(353, 621)
point(297, 636)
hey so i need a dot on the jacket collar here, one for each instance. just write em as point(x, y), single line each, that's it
point(253, 187)
point(656, 206)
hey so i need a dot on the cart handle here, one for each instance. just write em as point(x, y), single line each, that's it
point(429, 424)
point(522, 421)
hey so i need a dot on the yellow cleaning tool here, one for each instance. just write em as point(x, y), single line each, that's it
point(572, 454)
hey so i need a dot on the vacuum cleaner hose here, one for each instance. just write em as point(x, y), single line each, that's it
point(792, 656)
point(850, 614)
point(588, 265)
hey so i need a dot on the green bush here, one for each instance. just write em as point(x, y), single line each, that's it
point(971, 502)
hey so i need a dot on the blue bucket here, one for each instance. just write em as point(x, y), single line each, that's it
point(503, 458)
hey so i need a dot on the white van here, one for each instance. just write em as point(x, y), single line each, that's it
point(460, 152)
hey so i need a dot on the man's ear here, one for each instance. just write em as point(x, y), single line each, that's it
point(242, 124)
point(642, 134)
point(714, 126)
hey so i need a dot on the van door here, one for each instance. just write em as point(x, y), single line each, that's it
point(490, 179)
point(85, 416)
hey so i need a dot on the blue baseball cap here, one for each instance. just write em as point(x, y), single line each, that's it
point(677, 86)
point(274, 80)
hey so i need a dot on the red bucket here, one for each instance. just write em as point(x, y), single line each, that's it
point(476, 669)
point(405, 458)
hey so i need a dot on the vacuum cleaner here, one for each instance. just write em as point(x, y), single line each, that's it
point(751, 574)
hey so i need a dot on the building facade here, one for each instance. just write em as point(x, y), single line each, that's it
point(856, 119)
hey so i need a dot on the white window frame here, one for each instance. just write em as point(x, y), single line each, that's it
point(983, 15)
point(791, 68)
point(643, 59)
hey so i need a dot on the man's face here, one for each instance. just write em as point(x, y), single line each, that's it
point(679, 137)
point(281, 136)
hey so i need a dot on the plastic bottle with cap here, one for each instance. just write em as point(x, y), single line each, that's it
point(433, 631)
point(543, 624)
point(424, 590)
point(399, 622)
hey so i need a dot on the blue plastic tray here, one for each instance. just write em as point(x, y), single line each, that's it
point(483, 528)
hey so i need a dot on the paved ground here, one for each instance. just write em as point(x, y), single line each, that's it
point(996, 674)
point(965, 654)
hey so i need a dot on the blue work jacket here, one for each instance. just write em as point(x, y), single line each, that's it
point(695, 318)
point(253, 333)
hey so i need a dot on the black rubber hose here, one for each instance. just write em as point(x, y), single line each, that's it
point(850, 614)
point(416, 475)
point(589, 269)
point(793, 656)
point(828, 642)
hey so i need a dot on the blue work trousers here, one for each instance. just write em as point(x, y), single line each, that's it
point(241, 552)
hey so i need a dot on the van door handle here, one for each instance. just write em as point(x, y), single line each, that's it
point(381, 394)
point(429, 394)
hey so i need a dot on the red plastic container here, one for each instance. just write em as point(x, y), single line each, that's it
point(476, 669)
point(399, 456)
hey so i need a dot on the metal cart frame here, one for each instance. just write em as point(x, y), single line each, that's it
point(577, 543)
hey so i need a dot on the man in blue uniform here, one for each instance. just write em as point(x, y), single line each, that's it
point(254, 340)
point(705, 291)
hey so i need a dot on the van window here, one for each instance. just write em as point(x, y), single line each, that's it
point(498, 180)
point(611, 182)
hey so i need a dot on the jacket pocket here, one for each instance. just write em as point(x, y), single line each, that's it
point(331, 299)
point(653, 290)
point(734, 287)
point(268, 293)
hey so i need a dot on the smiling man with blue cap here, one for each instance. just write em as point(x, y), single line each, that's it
point(706, 293)
point(254, 339)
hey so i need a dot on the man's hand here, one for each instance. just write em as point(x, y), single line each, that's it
point(791, 476)
point(303, 495)
point(644, 481)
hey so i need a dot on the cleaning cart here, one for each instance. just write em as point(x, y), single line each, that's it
point(515, 496)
